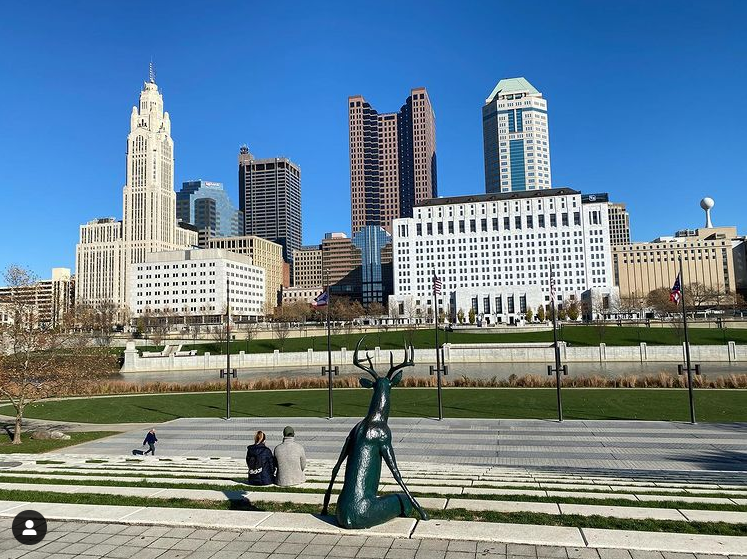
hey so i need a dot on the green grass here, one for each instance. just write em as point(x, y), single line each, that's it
point(667, 501)
point(574, 335)
point(31, 446)
point(719, 528)
point(517, 403)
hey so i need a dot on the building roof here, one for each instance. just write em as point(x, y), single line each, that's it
point(497, 196)
point(512, 85)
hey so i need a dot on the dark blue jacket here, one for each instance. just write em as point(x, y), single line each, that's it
point(264, 473)
point(150, 438)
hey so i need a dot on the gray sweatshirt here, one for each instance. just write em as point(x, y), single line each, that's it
point(290, 460)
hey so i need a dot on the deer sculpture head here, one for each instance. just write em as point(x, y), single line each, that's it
point(382, 385)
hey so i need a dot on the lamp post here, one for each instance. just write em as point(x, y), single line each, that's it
point(329, 370)
point(228, 372)
point(688, 365)
point(558, 369)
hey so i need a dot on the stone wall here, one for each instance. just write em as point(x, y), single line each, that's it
point(453, 353)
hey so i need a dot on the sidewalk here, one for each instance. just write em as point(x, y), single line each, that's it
point(94, 540)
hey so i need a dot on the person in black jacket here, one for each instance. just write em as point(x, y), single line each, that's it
point(260, 462)
point(151, 440)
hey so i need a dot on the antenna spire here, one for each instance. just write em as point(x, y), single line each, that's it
point(151, 72)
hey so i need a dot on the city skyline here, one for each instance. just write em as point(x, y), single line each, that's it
point(609, 152)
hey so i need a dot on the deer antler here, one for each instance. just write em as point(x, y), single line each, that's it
point(360, 364)
point(408, 362)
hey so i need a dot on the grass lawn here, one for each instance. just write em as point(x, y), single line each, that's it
point(515, 403)
point(31, 446)
point(574, 335)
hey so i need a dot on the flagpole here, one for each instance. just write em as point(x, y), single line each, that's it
point(228, 348)
point(687, 347)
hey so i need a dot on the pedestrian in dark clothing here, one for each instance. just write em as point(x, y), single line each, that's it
point(260, 462)
point(150, 440)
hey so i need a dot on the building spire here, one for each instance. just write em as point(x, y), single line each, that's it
point(151, 72)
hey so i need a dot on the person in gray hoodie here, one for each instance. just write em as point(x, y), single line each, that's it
point(290, 460)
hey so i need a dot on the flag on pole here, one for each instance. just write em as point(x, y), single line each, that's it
point(436, 284)
point(676, 294)
point(552, 286)
point(322, 299)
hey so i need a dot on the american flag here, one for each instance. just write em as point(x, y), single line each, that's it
point(436, 285)
point(676, 294)
point(552, 285)
point(322, 299)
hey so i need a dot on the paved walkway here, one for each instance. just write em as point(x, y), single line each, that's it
point(8, 422)
point(66, 540)
point(633, 445)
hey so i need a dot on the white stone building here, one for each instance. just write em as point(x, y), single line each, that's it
point(492, 248)
point(193, 283)
point(107, 247)
point(305, 294)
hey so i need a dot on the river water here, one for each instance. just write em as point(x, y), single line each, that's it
point(470, 370)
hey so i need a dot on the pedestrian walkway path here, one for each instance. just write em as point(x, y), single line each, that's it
point(95, 540)
point(629, 445)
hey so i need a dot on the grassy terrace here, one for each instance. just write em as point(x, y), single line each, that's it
point(453, 514)
point(574, 335)
point(516, 403)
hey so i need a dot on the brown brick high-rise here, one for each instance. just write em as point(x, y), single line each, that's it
point(392, 159)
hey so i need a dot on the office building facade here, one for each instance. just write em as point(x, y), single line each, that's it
point(496, 250)
point(619, 224)
point(107, 248)
point(261, 252)
point(376, 273)
point(206, 205)
point(197, 284)
point(392, 159)
point(50, 299)
point(516, 139)
point(270, 200)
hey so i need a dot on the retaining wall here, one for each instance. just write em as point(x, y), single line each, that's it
point(453, 353)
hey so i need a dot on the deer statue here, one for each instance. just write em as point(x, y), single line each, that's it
point(358, 505)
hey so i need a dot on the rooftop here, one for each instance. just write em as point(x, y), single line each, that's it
point(512, 85)
point(472, 198)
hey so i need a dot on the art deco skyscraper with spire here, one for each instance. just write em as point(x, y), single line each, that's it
point(108, 247)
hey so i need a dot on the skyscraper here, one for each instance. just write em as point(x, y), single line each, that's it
point(392, 159)
point(207, 206)
point(619, 224)
point(270, 200)
point(108, 247)
point(515, 138)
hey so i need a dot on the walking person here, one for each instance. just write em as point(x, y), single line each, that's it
point(150, 440)
point(290, 459)
point(259, 461)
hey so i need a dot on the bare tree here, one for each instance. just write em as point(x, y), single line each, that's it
point(281, 326)
point(38, 361)
point(660, 302)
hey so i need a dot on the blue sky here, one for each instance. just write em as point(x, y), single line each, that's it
point(646, 100)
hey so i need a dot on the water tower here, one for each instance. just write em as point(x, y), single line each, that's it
point(707, 203)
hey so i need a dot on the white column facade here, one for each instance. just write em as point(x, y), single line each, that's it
point(490, 244)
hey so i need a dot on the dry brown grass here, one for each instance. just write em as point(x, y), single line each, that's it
point(661, 380)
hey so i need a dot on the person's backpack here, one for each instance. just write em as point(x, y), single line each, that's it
point(254, 463)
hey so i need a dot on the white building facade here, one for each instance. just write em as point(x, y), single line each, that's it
point(493, 252)
point(194, 283)
point(107, 247)
point(516, 140)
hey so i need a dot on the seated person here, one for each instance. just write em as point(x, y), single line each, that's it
point(290, 459)
point(260, 462)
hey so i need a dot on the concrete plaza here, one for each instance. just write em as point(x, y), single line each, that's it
point(629, 445)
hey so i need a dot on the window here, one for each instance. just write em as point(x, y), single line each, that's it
point(472, 226)
point(484, 224)
point(486, 305)
point(553, 220)
point(499, 305)
point(530, 222)
point(541, 220)
point(461, 226)
point(451, 227)
point(495, 224)
point(510, 302)
point(429, 228)
point(419, 229)
point(576, 218)
point(517, 221)
point(474, 304)
point(506, 223)
point(440, 227)
point(523, 304)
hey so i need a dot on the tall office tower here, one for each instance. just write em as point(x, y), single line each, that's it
point(270, 200)
point(619, 224)
point(392, 160)
point(207, 206)
point(107, 247)
point(515, 138)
